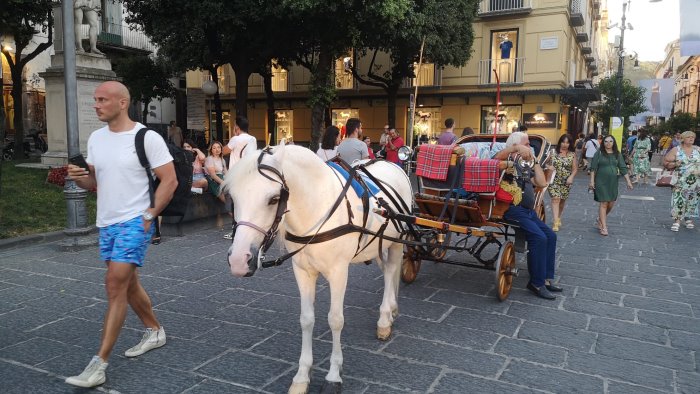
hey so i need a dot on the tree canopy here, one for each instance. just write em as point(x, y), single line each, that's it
point(632, 100)
point(445, 26)
point(147, 79)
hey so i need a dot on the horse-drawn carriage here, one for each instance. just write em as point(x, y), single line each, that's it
point(460, 209)
point(332, 215)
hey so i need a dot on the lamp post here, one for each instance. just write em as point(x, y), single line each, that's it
point(620, 63)
point(209, 88)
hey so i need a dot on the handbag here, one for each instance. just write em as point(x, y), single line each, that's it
point(666, 178)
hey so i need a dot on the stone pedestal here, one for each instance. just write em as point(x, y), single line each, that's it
point(91, 71)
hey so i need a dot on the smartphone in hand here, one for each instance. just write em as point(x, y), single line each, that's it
point(79, 160)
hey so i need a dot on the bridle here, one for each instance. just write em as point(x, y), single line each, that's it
point(270, 234)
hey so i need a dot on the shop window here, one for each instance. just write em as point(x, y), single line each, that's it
point(427, 125)
point(343, 75)
point(341, 115)
point(425, 76)
point(280, 78)
point(504, 53)
point(506, 121)
point(284, 122)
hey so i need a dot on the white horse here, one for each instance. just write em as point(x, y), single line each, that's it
point(256, 186)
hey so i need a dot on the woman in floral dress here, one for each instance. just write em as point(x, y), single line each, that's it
point(640, 157)
point(566, 166)
point(685, 159)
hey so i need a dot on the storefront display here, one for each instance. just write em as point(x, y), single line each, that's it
point(505, 122)
point(427, 124)
point(340, 116)
point(504, 51)
point(284, 122)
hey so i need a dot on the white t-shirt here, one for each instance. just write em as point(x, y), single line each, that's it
point(591, 148)
point(122, 185)
point(327, 154)
point(241, 145)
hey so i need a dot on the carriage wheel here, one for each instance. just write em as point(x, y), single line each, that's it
point(410, 265)
point(505, 270)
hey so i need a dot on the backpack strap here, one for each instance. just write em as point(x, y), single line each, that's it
point(141, 153)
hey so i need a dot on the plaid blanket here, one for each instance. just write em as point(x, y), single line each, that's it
point(481, 175)
point(434, 161)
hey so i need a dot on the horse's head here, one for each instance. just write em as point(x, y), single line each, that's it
point(259, 193)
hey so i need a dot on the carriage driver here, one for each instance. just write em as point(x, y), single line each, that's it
point(542, 241)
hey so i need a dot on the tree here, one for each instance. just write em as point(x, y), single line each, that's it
point(244, 34)
point(147, 79)
point(196, 41)
point(22, 20)
point(632, 100)
point(445, 25)
point(317, 44)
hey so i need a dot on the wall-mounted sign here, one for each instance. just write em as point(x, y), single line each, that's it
point(540, 120)
point(549, 43)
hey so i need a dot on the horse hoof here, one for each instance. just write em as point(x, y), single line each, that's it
point(299, 388)
point(383, 333)
point(331, 387)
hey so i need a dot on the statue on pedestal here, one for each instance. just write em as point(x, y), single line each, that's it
point(89, 10)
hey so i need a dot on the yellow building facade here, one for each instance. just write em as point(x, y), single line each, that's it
point(545, 52)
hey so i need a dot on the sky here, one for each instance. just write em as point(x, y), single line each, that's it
point(654, 26)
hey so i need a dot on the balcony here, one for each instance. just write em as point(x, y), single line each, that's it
point(586, 50)
point(489, 8)
point(510, 71)
point(120, 36)
point(576, 10)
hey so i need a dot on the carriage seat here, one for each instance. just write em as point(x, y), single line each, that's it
point(482, 150)
point(466, 212)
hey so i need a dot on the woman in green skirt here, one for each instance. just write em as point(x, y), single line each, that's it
point(607, 165)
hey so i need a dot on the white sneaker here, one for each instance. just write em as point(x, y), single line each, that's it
point(197, 190)
point(93, 375)
point(151, 339)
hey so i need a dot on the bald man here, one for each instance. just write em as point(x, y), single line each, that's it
point(124, 218)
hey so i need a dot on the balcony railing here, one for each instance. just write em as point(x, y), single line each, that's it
point(576, 12)
point(504, 7)
point(113, 34)
point(581, 34)
point(510, 71)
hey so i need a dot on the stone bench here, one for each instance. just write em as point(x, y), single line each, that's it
point(201, 206)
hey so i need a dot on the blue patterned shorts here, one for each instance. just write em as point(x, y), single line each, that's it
point(125, 242)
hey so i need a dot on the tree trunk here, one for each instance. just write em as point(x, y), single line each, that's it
point(321, 96)
point(270, 99)
point(19, 114)
point(242, 71)
point(144, 113)
point(392, 92)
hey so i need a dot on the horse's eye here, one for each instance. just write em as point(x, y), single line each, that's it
point(274, 200)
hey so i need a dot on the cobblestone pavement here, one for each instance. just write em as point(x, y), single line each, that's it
point(627, 322)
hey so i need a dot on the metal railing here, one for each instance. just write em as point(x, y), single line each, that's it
point(510, 71)
point(576, 6)
point(503, 6)
point(120, 35)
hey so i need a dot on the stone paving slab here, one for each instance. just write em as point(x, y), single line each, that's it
point(628, 320)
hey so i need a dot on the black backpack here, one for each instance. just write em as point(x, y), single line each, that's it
point(182, 160)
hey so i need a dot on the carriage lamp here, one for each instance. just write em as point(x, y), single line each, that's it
point(404, 153)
